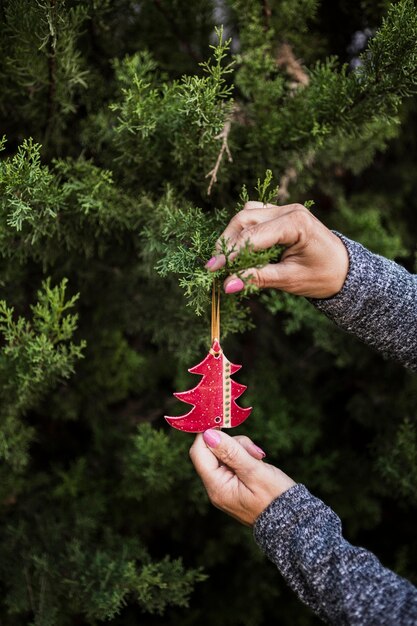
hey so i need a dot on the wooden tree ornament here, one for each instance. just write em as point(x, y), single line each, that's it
point(214, 398)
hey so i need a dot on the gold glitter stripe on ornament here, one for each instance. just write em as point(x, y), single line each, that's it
point(227, 394)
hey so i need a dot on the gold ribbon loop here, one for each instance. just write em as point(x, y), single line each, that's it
point(215, 312)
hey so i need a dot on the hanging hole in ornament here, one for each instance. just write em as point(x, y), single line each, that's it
point(217, 420)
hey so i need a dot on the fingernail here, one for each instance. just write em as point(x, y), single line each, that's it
point(234, 285)
point(259, 450)
point(211, 262)
point(212, 438)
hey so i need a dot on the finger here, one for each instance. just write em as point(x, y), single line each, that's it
point(229, 451)
point(255, 204)
point(256, 213)
point(286, 230)
point(250, 447)
point(203, 459)
point(283, 275)
point(216, 262)
point(244, 219)
point(243, 227)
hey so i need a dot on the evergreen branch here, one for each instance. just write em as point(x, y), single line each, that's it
point(266, 194)
point(39, 352)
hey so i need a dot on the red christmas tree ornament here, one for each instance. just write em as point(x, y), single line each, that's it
point(214, 398)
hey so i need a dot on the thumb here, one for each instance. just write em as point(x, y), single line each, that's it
point(280, 275)
point(231, 453)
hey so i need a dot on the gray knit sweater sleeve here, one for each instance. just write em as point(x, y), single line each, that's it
point(343, 584)
point(378, 304)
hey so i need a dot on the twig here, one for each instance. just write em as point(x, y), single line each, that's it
point(224, 148)
point(292, 66)
point(175, 29)
point(224, 136)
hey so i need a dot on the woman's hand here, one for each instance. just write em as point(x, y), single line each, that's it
point(236, 479)
point(314, 264)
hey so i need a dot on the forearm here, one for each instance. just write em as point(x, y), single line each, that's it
point(378, 304)
point(343, 584)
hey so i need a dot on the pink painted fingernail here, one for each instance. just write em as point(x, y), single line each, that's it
point(259, 450)
point(234, 285)
point(211, 262)
point(212, 438)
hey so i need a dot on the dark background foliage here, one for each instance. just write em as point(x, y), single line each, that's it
point(110, 127)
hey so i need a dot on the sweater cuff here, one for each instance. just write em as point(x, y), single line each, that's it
point(377, 304)
point(276, 525)
point(345, 303)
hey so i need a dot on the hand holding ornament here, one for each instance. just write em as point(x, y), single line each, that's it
point(314, 264)
point(236, 479)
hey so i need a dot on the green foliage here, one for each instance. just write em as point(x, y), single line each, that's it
point(396, 37)
point(163, 125)
point(27, 190)
point(117, 117)
point(120, 570)
point(152, 457)
point(35, 356)
point(169, 577)
point(43, 69)
point(265, 194)
point(182, 239)
point(68, 202)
